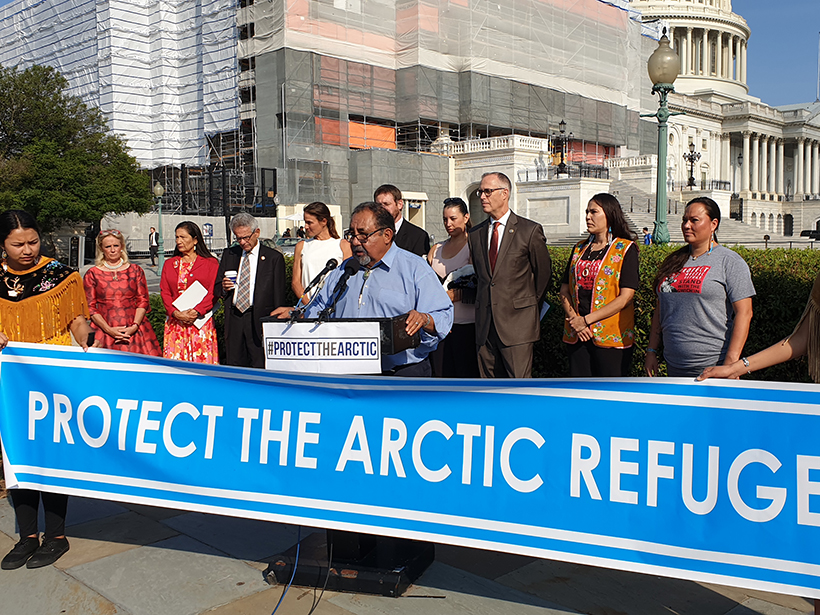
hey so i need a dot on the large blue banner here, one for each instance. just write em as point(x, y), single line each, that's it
point(716, 481)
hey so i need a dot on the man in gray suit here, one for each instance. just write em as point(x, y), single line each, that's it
point(513, 267)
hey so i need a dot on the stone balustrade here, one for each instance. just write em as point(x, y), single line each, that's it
point(631, 161)
point(518, 142)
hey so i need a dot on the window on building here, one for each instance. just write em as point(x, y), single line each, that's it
point(246, 31)
point(247, 95)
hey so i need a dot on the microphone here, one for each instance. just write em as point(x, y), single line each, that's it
point(352, 267)
point(330, 266)
point(299, 309)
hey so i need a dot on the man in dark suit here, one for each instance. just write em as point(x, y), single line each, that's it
point(255, 288)
point(153, 245)
point(513, 267)
point(408, 236)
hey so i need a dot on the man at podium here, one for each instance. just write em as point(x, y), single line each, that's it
point(390, 282)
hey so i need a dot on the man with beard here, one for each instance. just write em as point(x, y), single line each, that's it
point(390, 282)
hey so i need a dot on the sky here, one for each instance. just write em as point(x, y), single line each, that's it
point(783, 48)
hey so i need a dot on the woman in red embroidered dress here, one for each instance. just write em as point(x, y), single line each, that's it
point(118, 299)
point(186, 337)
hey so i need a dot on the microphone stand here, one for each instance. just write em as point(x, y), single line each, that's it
point(299, 310)
point(351, 268)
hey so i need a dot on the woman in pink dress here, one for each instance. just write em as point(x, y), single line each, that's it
point(117, 296)
point(191, 263)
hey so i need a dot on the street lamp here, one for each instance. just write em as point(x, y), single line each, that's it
point(692, 157)
point(158, 192)
point(664, 66)
point(562, 139)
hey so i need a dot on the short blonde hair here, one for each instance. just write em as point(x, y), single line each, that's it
point(100, 256)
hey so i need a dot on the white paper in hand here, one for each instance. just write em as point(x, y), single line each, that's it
point(191, 298)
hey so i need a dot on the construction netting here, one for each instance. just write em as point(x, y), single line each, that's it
point(582, 47)
point(164, 73)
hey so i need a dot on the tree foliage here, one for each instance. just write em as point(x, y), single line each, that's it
point(782, 280)
point(57, 158)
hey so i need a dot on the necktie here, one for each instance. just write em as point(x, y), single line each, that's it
point(494, 247)
point(242, 298)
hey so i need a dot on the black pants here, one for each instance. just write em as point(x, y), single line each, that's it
point(421, 369)
point(26, 504)
point(586, 360)
point(153, 251)
point(244, 346)
point(456, 355)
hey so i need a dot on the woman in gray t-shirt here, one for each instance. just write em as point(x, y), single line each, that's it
point(704, 299)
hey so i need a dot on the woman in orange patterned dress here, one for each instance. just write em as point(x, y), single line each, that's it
point(118, 299)
point(191, 263)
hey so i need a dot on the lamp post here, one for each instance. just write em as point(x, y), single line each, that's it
point(664, 66)
point(158, 192)
point(562, 139)
point(740, 169)
point(692, 157)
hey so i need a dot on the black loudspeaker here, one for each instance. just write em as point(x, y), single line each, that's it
point(360, 563)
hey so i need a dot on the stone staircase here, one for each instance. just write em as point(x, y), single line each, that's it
point(639, 209)
point(731, 232)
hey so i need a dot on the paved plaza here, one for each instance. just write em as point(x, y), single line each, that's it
point(139, 560)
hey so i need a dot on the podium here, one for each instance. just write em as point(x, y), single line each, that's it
point(339, 346)
point(347, 561)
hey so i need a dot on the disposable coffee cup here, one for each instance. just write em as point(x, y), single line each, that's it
point(231, 275)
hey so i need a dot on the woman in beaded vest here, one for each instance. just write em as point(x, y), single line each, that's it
point(597, 291)
point(41, 302)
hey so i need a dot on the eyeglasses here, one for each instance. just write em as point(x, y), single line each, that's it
point(453, 201)
point(487, 191)
point(361, 237)
point(112, 231)
point(245, 238)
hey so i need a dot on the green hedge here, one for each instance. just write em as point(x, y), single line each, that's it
point(782, 278)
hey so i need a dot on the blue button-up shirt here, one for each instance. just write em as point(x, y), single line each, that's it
point(398, 283)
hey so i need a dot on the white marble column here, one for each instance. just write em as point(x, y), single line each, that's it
point(755, 161)
point(807, 169)
point(737, 58)
point(798, 168)
point(719, 55)
point(781, 155)
point(725, 152)
point(743, 63)
point(687, 66)
point(704, 52)
point(772, 166)
point(744, 171)
point(764, 162)
point(815, 175)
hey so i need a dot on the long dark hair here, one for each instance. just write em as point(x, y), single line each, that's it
point(16, 218)
point(458, 203)
point(193, 230)
point(675, 261)
point(320, 211)
point(615, 219)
